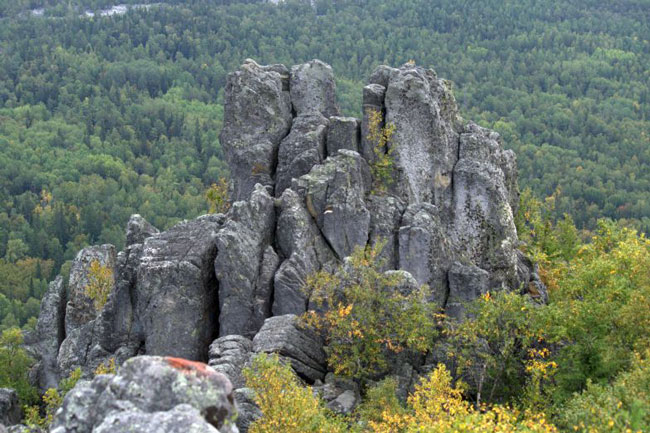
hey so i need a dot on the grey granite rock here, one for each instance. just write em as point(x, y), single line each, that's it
point(299, 239)
point(138, 229)
point(334, 194)
point(301, 150)
point(50, 332)
point(245, 264)
point(425, 248)
point(313, 89)
point(150, 394)
point(343, 133)
point(10, 412)
point(176, 290)
point(466, 283)
point(80, 309)
point(425, 140)
point(300, 346)
point(229, 355)
point(257, 116)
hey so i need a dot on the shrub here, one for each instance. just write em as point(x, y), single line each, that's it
point(365, 316)
point(52, 401)
point(620, 407)
point(100, 284)
point(218, 197)
point(286, 405)
point(15, 365)
point(437, 406)
point(491, 346)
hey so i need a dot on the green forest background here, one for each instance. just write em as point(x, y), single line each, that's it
point(108, 116)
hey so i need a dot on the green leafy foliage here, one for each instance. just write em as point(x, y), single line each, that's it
point(51, 402)
point(15, 365)
point(367, 316)
point(286, 404)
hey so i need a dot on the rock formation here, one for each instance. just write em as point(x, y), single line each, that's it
point(304, 198)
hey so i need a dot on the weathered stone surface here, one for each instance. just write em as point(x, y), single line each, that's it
point(247, 410)
point(466, 283)
point(152, 390)
point(80, 309)
point(229, 355)
point(313, 89)
point(50, 332)
point(301, 150)
point(181, 419)
point(257, 116)
point(138, 229)
point(341, 395)
point(176, 290)
point(245, 264)
point(343, 133)
point(10, 412)
point(301, 347)
point(425, 141)
point(299, 239)
point(334, 194)
point(424, 248)
point(483, 217)
point(385, 217)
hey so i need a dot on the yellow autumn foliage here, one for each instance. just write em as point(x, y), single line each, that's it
point(436, 406)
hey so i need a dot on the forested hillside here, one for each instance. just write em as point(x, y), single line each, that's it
point(104, 117)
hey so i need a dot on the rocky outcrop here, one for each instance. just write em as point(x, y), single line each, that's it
point(10, 412)
point(150, 394)
point(304, 198)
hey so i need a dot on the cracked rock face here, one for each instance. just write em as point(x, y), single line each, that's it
point(304, 199)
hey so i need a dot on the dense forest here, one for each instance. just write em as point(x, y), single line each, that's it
point(108, 116)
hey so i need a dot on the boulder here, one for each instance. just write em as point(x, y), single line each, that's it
point(257, 116)
point(301, 347)
point(229, 355)
point(150, 393)
point(245, 264)
point(10, 412)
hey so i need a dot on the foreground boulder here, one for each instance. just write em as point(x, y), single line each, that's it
point(148, 394)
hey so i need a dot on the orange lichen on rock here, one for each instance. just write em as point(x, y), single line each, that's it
point(187, 366)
